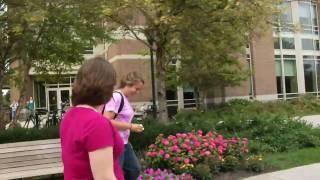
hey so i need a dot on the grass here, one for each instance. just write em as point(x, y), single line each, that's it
point(281, 161)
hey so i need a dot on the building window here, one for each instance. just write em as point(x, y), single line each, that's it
point(287, 43)
point(286, 76)
point(312, 73)
point(286, 17)
point(310, 44)
point(308, 17)
point(307, 44)
point(88, 50)
point(310, 76)
point(284, 22)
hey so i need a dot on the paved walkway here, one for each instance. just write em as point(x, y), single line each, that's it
point(309, 172)
point(314, 120)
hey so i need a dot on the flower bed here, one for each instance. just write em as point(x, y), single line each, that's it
point(158, 174)
point(197, 153)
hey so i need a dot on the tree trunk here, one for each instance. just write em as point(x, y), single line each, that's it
point(203, 96)
point(161, 86)
point(2, 120)
point(223, 94)
point(197, 97)
point(25, 67)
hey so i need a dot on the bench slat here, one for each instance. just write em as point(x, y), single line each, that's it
point(32, 173)
point(29, 148)
point(27, 153)
point(30, 143)
point(29, 163)
point(30, 157)
point(29, 168)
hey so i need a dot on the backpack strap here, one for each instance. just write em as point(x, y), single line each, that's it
point(121, 104)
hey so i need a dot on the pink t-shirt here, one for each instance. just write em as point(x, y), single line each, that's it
point(83, 130)
point(126, 114)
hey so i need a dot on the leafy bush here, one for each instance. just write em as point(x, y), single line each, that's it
point(22, 134)
point(271, 131)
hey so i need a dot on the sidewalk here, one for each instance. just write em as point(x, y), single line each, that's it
point(309, 172)
point(314, 120)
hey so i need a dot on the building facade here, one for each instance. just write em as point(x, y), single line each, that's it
point(284, 62)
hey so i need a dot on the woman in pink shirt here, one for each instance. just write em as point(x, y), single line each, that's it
point(91, 147)
point(121, 113)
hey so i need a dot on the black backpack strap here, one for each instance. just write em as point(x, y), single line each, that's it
point(121, 103)
point(120, 107)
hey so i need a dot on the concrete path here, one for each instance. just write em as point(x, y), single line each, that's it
point(314, 120)
point(309, 172)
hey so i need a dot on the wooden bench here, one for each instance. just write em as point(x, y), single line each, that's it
point(30, 159)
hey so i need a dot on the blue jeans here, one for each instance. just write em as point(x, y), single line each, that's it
point(130, 164)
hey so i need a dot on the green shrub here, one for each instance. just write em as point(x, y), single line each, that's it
point(22, 134)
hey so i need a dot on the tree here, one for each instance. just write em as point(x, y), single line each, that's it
point(46, 35)
point(204, 35)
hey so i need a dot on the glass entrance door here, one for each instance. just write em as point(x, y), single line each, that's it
point(52, 100)
point(58, 98)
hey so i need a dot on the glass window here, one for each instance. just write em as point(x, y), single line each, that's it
point(278, 77)
point(290, 77)
point(288, 43)
point(290, 74)
point(318, 73)
point(314, 15)
point(307, 44)
point(286, 17)
point(309, 75)
point(276, 43)
point(304, 13)
point(316, 43)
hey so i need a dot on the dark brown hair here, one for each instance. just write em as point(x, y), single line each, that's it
point(94, 82)
point(131, 79)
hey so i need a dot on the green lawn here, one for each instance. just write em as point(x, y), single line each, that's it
point(287, 160)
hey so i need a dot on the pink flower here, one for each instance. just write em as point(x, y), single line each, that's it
point(194, 159)
point(165, 142)
point(205, 145)
point(199, 132)
point(186, 161)
point(246, 150)
point(174, 148)
point(187, 140)
point(207, 153)
point(209, 134)
point(161, 152)
point(178, 158)
point(184, 146)
point(191, 153)
point(154, 154)
point(196, 144)
point(149, 154)
point(166, 156)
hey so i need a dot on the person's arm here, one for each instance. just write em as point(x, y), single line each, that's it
point(122, 125)
point(101, 162)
